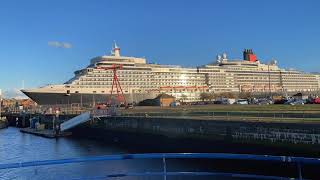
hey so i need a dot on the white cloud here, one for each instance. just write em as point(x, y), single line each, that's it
point(13, 93)
point(58, 44)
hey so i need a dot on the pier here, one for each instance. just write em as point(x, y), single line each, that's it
point(3, 124)
point(48, 133)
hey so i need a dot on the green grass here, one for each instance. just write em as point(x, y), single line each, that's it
point(308, 108)
point(245, 115)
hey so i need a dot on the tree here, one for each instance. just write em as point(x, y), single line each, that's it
point(206, 96)
point(227, 95)
point(245, 95)
point(210, 96)
point(203, 96)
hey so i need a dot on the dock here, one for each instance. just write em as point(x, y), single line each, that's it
point(48, 133)
point(3, 123)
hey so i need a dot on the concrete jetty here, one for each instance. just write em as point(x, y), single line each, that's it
point(3, 123)
point(48, 133)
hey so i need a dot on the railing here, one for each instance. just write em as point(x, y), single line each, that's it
point(286, 160)
point(256, 115)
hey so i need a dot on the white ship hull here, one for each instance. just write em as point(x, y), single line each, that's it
point(44, 98)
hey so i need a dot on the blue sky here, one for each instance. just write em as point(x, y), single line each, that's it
point(184, 32)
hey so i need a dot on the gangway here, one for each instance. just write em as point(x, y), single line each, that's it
point(82, 118)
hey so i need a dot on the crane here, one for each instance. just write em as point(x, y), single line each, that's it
point(115, 82)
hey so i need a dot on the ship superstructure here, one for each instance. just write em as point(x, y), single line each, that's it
point(141, 80)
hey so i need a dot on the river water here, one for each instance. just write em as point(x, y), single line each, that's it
point(20, 147)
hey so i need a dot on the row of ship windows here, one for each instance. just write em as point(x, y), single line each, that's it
point(217, 76)
point(129, 76)
point(217, 89)
point(300, 85)
point(209, 71)
point(149, 87)
point(220, 84)
point(170, 73)
point(240, 79)
point(263, 80)
point(111, 75)
point(104, 87)
point(149, 80)
point(211, 76)
point(179, 77)
point(312, 78)
point(140, 83)
point(260, 81)
point(90, 80)
point(184, 90)
point(168, 81)
point(120, 72)
point(133, 83)
point(275, 74)
point(294, 79)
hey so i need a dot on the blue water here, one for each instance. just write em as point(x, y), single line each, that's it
point(20, 147)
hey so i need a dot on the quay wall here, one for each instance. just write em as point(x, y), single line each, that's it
point(295, 133)
point(181, 135)
point(3, 124)
point(299, 138)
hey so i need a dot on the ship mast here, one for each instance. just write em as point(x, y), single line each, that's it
point(115, 50)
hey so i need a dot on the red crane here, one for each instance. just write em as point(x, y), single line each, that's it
point(116, 83)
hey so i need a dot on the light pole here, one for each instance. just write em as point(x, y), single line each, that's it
point(269, 79)
point(81, 100)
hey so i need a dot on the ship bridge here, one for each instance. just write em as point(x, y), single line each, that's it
point(116, 58)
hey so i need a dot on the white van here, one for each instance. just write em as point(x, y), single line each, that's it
point(242, 101)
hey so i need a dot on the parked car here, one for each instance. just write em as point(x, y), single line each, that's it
point(174, 104)
point(242, 101)
point(221, 102)
point(129, 106)
point(280, 101)
point(295, 102)
point(218, 102)
point(264, 101)
point(316, 101)
point(224, 101)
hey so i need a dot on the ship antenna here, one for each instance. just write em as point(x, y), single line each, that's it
point(115, 44)
point(115, 49)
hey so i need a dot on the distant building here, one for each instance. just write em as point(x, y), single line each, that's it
point(160, 100)
point(14, 104)
point(27, 103)
point(165, 100)
point(9, 103)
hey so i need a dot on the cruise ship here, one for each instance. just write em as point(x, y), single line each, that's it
point(141, 80)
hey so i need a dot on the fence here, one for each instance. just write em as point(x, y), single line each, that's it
point(229, 115)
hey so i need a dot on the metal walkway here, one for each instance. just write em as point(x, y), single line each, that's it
point(82, 118)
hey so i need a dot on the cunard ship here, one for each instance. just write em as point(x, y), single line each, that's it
point(141, 80)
